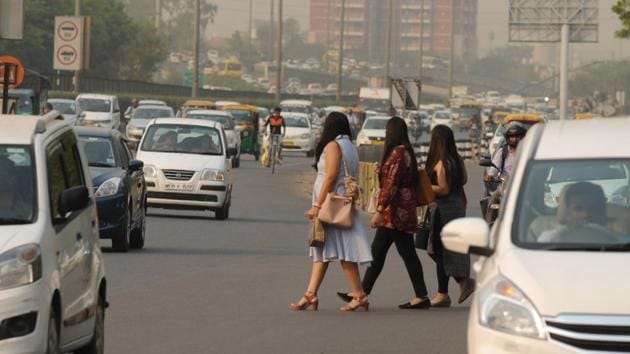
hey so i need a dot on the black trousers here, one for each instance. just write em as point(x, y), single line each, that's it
point(404, 244)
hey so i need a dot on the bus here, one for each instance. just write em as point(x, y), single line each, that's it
point(230, 67)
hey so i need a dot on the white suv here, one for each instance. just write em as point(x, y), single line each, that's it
point(554, 272)
point(96, 110)
point(52, 277)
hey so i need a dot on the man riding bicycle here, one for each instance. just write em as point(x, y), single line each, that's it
point(277, 128)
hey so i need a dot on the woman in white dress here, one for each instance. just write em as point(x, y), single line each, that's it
point(349, 246)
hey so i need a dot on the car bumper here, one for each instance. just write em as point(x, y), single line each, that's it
point(111, 215)
point(297, 144)
point(204, 196)
point(23, 302)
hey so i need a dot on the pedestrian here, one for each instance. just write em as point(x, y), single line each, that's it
point(447, 172)
point(131, 108)
point(47, 108)
point(349, 246)
point(396, 218)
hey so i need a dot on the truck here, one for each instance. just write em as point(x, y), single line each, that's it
point(375, 99)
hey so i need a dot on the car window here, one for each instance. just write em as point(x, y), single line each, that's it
point(225, 120)
point(123, 153)
point(296, 122)
point(99, 151)
point(93, 105)
point(17, 189)
point(72, 161)
point(64, 107)
point(56, 177)
point(151, 113)
point(375, 124)
point(188, 139)
point(241, 116)
point(575, 202)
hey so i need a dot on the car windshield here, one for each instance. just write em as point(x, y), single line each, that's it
point(94, 105)
point(296, 109)
point(188, 139)
point(225, 120)
point(441, 115)
point(296, 122)
point(64, 107)
point(241, 117)
point(151, 113)
point(378, 124)
point(17, 197)
point(99, 151)
point(375, 105)
point(575, 205)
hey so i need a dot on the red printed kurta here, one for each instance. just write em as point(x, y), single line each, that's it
point(397, 196)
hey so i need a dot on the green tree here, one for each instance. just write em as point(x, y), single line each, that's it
point(179, 20)
point(622, 8)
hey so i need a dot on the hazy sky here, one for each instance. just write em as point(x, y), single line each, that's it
point(493, 17)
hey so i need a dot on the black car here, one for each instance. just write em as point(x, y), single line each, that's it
point(119, 187)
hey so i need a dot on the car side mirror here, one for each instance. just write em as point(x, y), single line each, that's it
point(467, 235)
point(73, 199)
point(136, 165)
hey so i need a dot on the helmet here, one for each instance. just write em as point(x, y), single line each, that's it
point(514, 130)
point(277, 110)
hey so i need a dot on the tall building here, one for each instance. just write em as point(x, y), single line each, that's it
point(366, 25)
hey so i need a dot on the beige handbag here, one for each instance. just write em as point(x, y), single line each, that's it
point(373, 203)
point(337, 211)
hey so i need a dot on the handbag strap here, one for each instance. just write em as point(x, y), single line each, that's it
point(343, 158)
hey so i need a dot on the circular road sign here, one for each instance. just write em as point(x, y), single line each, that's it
point(16, 73)
point(67, 55)
point(68, 31)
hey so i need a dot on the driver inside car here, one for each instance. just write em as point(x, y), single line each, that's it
point(582, 205)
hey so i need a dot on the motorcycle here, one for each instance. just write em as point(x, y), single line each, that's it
point(491, 201)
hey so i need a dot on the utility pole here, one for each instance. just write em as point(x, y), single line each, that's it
point(195, 69)
point(77, 74)
point(329, 13)
point(341, 39)
point(158, 14)
point(271, 31)
point(249, 31)
point(388, 45)
point(421, 51)
point(564, 71)
point(279, 53)
point(452, 50)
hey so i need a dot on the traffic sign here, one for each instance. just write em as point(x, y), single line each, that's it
point(70, 43)
point(16, 71)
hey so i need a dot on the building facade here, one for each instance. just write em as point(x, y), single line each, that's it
point(366, 25)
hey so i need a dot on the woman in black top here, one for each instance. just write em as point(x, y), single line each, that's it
point(448, 175)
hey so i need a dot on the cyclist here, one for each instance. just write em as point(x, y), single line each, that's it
point(504, 157)
point(277, 128)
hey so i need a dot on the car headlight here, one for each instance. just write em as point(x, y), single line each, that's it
point(363, 139)
point(149, 171)
point(109, 187)
point(20, 266)
point(133, 130)
point(504, 308)
point(210, 174)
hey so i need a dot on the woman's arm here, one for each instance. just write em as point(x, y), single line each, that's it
point(333, 159)
point(442, 188)
point(464, 173)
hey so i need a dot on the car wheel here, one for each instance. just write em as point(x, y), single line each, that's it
point(52, 346)
point(97, 344)
point(224, 212)
point(236, 163)
point(120, 242)
point(137, 238)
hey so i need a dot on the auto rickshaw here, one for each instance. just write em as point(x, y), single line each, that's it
point(194, 104)
point(246, 121)
point(499, 116)
point(587, 116)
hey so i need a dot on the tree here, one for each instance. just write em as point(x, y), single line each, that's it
point(178, 21)
point(622, 8)
point(293, 38)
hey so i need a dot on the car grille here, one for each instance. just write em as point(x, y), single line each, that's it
point(183, 196)
point(178, 175)
point(376, 138)
point(597, 333)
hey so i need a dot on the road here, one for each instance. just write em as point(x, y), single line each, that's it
point(208, 286)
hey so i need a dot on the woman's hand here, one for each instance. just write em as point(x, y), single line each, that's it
point(312, 213)
point(376, 221)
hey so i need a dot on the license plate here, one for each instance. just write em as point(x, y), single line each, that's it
point(288, 143)
point(182, 187)
point(381, 142)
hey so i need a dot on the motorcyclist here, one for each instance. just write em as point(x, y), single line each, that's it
point(504, 157)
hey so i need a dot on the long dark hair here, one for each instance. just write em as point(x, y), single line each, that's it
point(443, 148)
point(396, 134)
point(335, 124)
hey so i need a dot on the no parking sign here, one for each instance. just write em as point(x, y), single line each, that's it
point(71, 43)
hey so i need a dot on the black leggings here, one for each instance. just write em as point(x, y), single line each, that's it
point(404, 244)
point(438, 257)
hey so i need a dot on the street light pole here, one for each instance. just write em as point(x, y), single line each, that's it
point(564, 71)
point(341, 39)
point(279, 52)
point(271, 32)
point(249, 31)
point(77, 74)
point(388, 40)
point(452, 50)
point(195, 69)
point(421, 52)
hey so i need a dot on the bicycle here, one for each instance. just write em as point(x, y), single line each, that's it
point(274, 150)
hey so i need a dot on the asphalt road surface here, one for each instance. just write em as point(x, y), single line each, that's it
point(208, 286)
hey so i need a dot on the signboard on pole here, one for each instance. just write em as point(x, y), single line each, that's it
point(406, 93)
point(16, 71)
point(70, 43)
point(11, 19)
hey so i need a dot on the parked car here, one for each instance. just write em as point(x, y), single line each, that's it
point(187, 166)
point(141, 117)
point(373, 131)
point(52, 274)
point(561, 237)
point(442, 118)
point(66, 107)
point(96, 110)
point(299, 134)
point(120, 188)
point(231, 135)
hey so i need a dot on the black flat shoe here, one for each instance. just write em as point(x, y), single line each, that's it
point(345, 297)
point(446, 302)
point(422, 305)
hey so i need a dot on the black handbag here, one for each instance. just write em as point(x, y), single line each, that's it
point(421, 241)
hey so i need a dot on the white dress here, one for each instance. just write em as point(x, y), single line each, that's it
point(350, 245)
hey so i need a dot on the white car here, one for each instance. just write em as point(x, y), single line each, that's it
point(66, 107)
point(442, 118)
point(299, 134)
point(52, 274)
point(141, 117)
point(186, 165)
point(96, 110)
point(373, 131)
point(151, 103)
point(552, 277)
point(232, 136)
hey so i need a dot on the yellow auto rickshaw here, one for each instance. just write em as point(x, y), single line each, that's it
point(587, 116)
point(499, 116)
point(246, 122)
point(194, 104)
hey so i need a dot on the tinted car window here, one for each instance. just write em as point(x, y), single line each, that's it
point(183, 139)
point(56, 177)
point(99, 151)
point(17, 189)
